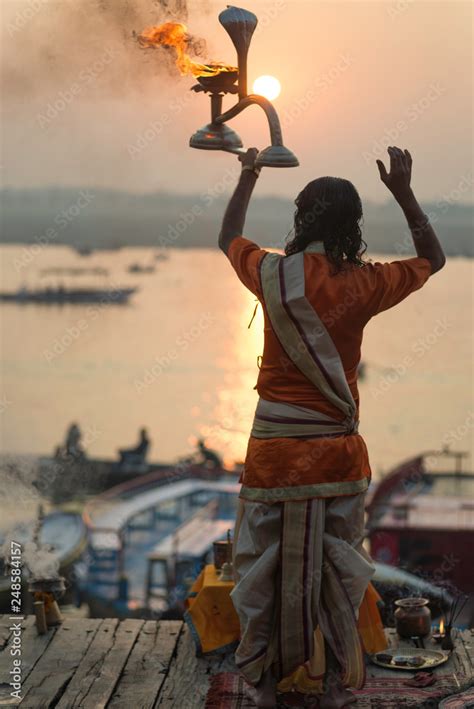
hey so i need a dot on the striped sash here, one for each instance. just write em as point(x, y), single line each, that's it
point(309, 346)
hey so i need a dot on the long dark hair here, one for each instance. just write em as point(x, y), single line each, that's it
point(329, 210)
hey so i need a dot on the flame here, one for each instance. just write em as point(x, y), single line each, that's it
point(441, 626)
point(174, 34)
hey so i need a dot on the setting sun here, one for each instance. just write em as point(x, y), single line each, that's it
point(267, 86)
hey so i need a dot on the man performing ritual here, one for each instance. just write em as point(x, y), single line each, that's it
point(300, 569)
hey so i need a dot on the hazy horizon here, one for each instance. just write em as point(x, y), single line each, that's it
point(107, 218)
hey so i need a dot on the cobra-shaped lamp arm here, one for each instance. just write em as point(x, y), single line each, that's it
point(272, 116)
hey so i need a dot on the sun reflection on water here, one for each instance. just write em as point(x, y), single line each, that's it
point(233, 404)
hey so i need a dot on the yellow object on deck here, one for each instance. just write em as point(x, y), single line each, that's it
point(211, 616)
point(214, 623)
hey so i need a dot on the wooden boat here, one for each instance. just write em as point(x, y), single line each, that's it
point(138, 268)
point(62, 479)
point(73, 271)
point(83, 250)
point(125, 525)
point(176, 561)
point(421, 518)
point(69, 296)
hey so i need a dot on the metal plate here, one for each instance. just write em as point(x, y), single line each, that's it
point(432, 658)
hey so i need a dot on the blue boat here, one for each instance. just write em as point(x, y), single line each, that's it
point(125, 528)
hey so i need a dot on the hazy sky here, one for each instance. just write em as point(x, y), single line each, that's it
point(83, 105)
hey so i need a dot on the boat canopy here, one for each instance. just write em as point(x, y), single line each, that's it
point(110, 516)
point(192, 539)
point(427, 512)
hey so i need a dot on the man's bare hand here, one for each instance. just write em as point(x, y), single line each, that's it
point(398, 182)
point(399, 178)
point(248, 158)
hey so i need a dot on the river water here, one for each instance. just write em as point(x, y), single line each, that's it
point(180, 360)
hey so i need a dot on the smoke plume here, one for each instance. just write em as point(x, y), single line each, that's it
point(50, 44)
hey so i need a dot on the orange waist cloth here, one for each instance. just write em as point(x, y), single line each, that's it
point(287, 462)
point(214, 622)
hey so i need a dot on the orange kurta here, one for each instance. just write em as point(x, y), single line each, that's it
point(345, 302)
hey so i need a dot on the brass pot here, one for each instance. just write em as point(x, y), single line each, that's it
point(412, 617)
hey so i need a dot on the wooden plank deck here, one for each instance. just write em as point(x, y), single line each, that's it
point(106, 663)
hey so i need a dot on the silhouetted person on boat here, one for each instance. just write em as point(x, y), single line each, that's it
point(300, 568)
point(209, 457)
point(72, 446)
point(138, 454)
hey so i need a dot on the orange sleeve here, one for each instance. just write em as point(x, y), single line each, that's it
point(390, 283)
point(245, 257)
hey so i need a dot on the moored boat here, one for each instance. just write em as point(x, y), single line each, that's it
point(69, 296)
point(175, 562)
point(64, 478)
point(421, 518)
point(126, 524)
point(141, 269)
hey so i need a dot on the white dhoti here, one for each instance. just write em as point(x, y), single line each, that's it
point(301, 574)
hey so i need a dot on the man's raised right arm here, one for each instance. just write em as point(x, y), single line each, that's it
point(398, 182)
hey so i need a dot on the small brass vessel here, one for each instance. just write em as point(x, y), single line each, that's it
point(412, 617)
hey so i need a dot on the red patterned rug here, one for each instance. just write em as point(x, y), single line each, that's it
point(227, 692)
point(465, 700)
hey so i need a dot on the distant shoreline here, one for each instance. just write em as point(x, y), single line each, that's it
point(101, 219)
point(369, 254)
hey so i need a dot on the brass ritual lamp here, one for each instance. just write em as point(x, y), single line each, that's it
point(240, 25)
